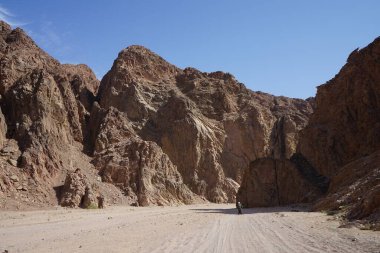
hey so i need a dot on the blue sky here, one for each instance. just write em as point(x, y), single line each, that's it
point(280, 47)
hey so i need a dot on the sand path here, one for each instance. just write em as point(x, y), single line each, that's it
point(195, 228)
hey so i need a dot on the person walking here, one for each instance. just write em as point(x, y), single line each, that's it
point(239, 207)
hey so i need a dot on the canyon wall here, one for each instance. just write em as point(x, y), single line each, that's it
point(148, 133)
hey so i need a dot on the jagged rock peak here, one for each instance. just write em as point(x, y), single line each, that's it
point(142, 55)
point(139, 50)
point(17, 36)
point(137, 62)
point(82, 70)
point(371, 49)
point(5, 28)
point(335, 137)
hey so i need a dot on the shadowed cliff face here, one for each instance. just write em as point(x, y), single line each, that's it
point(346, 122)
point(355, 191)
point(208, 124)
point(342, 138)
point(337, 155)
point(274, 182)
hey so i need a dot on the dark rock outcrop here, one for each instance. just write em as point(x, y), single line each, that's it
point(343, 128)
point(346, 122)
point(272, 182)
point(342, 138)
point(310, 173)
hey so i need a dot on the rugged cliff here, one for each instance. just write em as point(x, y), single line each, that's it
point(342, 138)
point(46, 107)
point(160, 134)
point(345, 124)
point(337, 156)
point(208, 124)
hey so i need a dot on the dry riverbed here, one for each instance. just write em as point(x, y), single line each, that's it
point(194, 228)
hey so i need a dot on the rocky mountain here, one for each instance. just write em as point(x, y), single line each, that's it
point(345, 124)
point(46, 108)
point(149, 133)
point(338, 150)
point(342, 139)
point(208, 124)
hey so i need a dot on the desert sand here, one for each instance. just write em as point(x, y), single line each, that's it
point(193, 228)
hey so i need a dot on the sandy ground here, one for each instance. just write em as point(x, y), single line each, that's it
point(195, 228)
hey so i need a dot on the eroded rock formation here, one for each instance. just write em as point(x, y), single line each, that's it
point(152, 133)
point(78, 192)
point(46, 107)
point(346, 121)
point(333, 148)
point(355, 190)
point(208, 124)
point(161, 134)
point(342, 138)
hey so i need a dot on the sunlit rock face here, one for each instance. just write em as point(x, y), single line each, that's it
point(162, 135)
point(208, 124)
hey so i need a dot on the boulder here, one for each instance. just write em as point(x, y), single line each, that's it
point(273, 182)
point(77, 191)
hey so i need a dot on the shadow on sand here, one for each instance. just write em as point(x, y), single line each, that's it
point(276, 209)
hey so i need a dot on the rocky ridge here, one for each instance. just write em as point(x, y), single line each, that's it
point(338, 150)
point(342, 138)
point(46, 107)
point(208, 124)
point(154, 133)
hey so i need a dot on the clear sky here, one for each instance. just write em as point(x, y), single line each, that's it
point(276, 46)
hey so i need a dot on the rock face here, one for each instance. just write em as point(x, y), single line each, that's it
point(343, 128)
point(342, 138)
point(272, 182)
point(77, 191)
point(355, 190)
point(346, 122)
point(161, 134)
point(46, 108)
point(144, 173)
point(156, 134)
point(209, 125)
point(164, 135)
point(3, 129)
point(139, 168)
